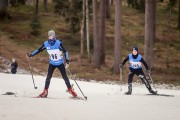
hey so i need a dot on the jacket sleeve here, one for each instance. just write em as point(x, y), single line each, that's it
point(144, 63)
point(65, 52)
point(125, 60)
point(38, 50)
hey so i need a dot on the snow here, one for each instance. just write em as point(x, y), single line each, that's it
point(105, 101)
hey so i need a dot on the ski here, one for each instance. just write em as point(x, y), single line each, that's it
point(78, 98)
point(74, 98)
point(165, 95)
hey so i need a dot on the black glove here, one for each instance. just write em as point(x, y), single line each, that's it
point(67, 64)
point(120, 65)
point(67, 61)
point(28, 55)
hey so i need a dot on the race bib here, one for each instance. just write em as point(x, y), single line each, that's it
point(55, 54)
point(135, 64)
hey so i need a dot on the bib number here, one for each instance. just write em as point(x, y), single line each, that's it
point(136, 64)
point(55, 55)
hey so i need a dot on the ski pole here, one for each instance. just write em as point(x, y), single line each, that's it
point(31, 71)
point(121, 77)
point(77, 85)
point(152, 81)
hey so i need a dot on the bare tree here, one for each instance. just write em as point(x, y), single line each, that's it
point(117, 40)
point(45, 5)
point(36, 7)
point(87, 30)
point(102, 17)
point(150, 7)
point(83, 29)
point(3, 9)
point(108, 5)
point(96, 42)
point(179, 17)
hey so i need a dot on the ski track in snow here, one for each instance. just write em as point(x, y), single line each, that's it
point(105, 101)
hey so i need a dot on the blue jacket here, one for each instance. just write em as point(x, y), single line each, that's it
point(55, 51)
point(135, 63)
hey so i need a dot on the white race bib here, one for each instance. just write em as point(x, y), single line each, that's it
point(55, 54)
point(135, 64)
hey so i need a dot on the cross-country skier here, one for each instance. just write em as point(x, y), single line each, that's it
point(14, 66)
point(56, 52)
point(135, 60)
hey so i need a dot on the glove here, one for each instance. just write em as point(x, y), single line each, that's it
point(67, 61)
point(28, 55)
point(120, 65)
point(67, 64)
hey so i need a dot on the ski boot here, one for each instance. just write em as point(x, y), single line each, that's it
point(128, 93)
point(44, 94)
point(153, 92)
point(129, 89)
point(72, 92)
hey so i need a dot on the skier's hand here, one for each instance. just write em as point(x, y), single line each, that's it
point(67, 61)
point(28, 55)
point(66, 65)
point(120, 65)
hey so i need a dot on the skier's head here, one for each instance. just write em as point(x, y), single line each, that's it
point(13, 60)
point(135, 50)
point(51, 34)
point(52, 37)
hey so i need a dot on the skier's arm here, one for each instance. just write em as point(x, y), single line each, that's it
point(65, 53)
point(145, 64)
point(37, 51)
point(125, 60)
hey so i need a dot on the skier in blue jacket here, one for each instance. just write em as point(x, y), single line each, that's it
point(135, 60)
point(56, 53)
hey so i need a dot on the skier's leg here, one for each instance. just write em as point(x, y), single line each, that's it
point(145, 81)
point(49, 76)
point(48, 79)
point(130, 78)
point(67, 82)
point(64, 75)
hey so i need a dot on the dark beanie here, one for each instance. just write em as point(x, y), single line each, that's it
point(135, 48)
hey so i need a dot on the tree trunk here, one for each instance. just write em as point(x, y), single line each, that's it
point(102, 17)
point(3, 9)
point(45, 6)
point(168, 38)
point(117, 41)
point(179, 17)
point(96, 42)
point(87, 30)
point(83, 29)
point(149, 30)
point(36, 7)
point(108, 6)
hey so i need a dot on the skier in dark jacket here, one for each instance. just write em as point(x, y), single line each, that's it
point(56, 53)
point(14, 66)
point(135, 60)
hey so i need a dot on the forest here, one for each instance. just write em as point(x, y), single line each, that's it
point(98, 35)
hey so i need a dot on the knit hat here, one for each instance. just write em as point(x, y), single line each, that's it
point(135, 48)
point(51, 32)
